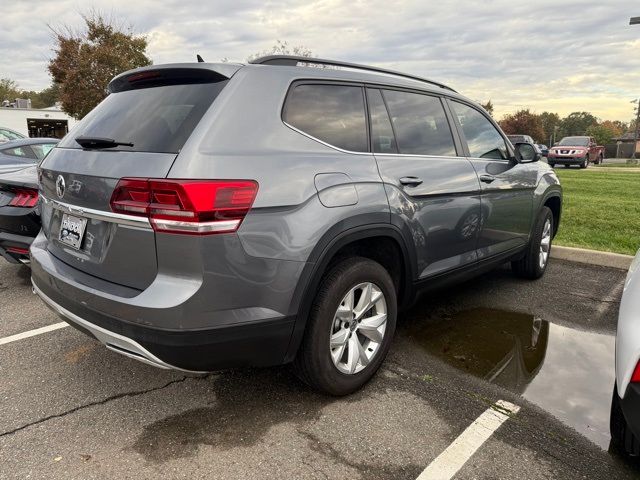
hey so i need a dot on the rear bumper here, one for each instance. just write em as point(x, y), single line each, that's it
point(258, 344)
point(9, 241)
point(630, 405)
point(175, 323)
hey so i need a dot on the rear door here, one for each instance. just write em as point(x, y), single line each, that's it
point(433, 189)
point(155, 113)
point(507, 186)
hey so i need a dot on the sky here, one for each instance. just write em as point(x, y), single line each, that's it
point(546, 55)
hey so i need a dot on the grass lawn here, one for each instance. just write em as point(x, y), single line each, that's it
point(601, 209)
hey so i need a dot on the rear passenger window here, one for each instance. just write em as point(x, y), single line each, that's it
point(420, 124)
point(483, 139)
point(382, 135)
point(331, 113)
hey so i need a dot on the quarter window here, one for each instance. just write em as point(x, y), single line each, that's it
point(382, 135)
point(24, 152)
point(420, 124)
point(331, 113)
point(483, 139)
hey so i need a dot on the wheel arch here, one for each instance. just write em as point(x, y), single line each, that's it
point(360, 240)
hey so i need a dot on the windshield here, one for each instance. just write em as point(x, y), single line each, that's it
point(155, 119)
point(575, 141)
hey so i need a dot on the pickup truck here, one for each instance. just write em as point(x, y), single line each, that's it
point(575, 151)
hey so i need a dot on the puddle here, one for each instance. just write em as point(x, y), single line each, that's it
point(567, 372)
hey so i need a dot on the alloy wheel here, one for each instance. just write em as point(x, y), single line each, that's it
point(545, 243)
point(358, 328)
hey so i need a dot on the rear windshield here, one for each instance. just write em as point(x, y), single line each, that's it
point(155, 119)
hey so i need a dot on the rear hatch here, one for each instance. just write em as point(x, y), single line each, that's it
point(137, 131)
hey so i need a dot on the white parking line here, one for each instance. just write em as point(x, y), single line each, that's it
point(33, 333)
point(449, 462)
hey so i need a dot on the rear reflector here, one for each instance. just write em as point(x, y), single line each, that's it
point(197, 207)
point(24, 197)
point(18, 250)
point(635, 378)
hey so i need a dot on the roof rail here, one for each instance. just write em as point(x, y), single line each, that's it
point(295, 61)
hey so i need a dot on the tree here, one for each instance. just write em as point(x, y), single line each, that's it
point(85, 62)
point(488, 107)
point(549, 123)
point(282, 48)
point(8, 90)
point(577, 123)
point(603, 133)
point(523, 122)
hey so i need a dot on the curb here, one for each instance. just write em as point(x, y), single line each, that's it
point(592, 257)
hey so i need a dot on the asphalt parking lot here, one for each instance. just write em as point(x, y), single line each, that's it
point(72, 409)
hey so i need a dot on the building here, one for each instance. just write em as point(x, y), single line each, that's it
point(624, 145)
point(36, 122)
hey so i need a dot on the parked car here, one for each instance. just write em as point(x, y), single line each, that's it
point(6, 135)
point(579, 151)
point(19, 213)
point(520, 139)
point(19, 154)
point(543, 149)
point(256, 214)
point(625, 406)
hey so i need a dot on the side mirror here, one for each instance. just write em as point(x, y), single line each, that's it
point(526, 153)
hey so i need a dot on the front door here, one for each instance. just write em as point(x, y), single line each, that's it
point(430, 188)
point(507, 186)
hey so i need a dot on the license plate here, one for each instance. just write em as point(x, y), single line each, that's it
point(72, 230)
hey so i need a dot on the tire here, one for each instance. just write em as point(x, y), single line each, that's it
point(585, 163)
point(530, 265)
point(316, 363)
point(552, 165)
point(621, 435)
point(600, 160)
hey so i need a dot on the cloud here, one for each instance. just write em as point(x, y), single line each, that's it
point(547, 55)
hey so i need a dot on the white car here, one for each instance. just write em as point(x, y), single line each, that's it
point(625, 405)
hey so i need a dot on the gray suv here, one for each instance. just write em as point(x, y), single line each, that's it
point(206, 216)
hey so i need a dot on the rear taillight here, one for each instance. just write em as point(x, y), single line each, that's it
point(24, 197)
point(635, 377)
point(198, 207)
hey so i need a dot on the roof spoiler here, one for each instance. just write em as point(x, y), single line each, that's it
point(172, 74)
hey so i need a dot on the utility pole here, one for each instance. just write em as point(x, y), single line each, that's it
point(635, 21)
point(635, 130)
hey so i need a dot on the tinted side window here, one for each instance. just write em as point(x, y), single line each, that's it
point(24, 152)
point(420, 124)
point(482, 137)
point(41, 149)
point(331, 113)
point(382, 135)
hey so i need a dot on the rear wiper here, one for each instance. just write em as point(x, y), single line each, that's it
point(100, 142)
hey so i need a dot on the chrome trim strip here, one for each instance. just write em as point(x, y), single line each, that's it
point(119, 218)
point(325, 143)
point(457, 157)
point(203, 227)
point(113, 341)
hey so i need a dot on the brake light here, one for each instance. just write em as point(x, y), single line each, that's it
point(198, 207)
point(635, 378)
point(24, 197)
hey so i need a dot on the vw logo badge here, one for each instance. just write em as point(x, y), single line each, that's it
point(60, 186)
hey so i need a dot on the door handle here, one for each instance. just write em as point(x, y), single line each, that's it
point(410, 181)
point(487, 178)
